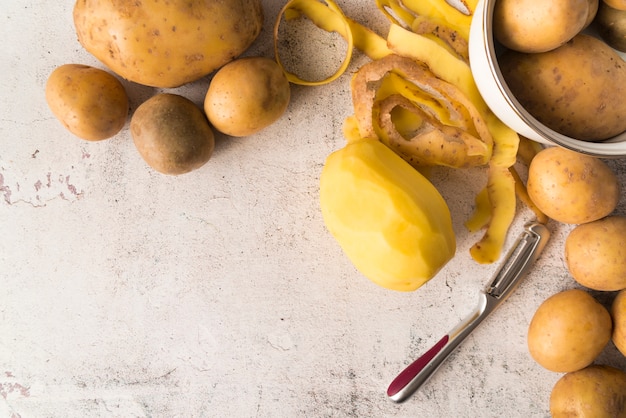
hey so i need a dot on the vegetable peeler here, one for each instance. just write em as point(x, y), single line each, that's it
point(517, 264)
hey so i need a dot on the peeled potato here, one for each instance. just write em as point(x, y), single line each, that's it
point(389, 220)
point(570, 187)
point(90, 102)
point(595, 254)
point(568, 331)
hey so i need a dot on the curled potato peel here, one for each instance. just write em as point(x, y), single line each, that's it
point(447, 128)
point(409, 10)
point(442, 34)
point(428, 142)
point(328, 17)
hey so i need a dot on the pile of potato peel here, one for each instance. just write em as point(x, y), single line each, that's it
point(418, 97)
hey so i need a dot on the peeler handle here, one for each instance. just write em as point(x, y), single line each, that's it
point(418, 372)
point(518, 261)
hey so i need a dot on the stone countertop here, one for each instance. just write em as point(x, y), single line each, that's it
point(219, 293)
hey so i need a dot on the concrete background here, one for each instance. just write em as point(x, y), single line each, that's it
point(127, 293)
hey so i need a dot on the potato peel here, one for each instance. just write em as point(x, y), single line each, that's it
point(433, 142)
point(328, 17)
point(443, 35)
point(408, 10)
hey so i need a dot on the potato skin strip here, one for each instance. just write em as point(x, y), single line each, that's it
point(522, 194)
point(328, 17)
point(368, 41)
point(434, 142)
point(395, 11)
point(527, 150)
point(501, 193)
point(443, 35)
point(404, 12)
point(482, 212)
point(441, 62)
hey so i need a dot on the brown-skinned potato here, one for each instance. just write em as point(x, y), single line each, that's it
point(167, 43)
point(90, 102)
point(172, 134)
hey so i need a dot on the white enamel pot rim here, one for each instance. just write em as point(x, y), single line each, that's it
point(483, 61)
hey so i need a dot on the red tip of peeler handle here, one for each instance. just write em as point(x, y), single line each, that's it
point(414, 368)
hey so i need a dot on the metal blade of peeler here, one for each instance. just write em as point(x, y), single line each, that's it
point(516, 265)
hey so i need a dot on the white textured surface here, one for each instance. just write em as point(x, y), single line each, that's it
point(219, 293)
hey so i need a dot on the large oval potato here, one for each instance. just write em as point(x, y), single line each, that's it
point(246, 96)
point(570, 187)
point(90, 102)
point(167, 43)
point(568, 331)
point(577, 89)
point(595, 254)
point(172, 134)
point(595, 391)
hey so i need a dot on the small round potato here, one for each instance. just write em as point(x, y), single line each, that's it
point(172, 134)
point(570, 187)
point(595, 391)
point(618, 313)
point(595, 254)
point(246, 96)
point(90, 102)
point(568, 331)
point(532, 26)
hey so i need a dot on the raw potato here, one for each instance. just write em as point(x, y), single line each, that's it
point(616, 4)
point(172, 134)
point(167, 43)
point(540, 25)
point(595, 254)
point(568, 331)
point(611, 24)
point(595, 391)
point(246, 96)
point(390, 221)
point(90, 102)
point(577, 89)
point(618, 313)
point(570, 187)
point(592, 12)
